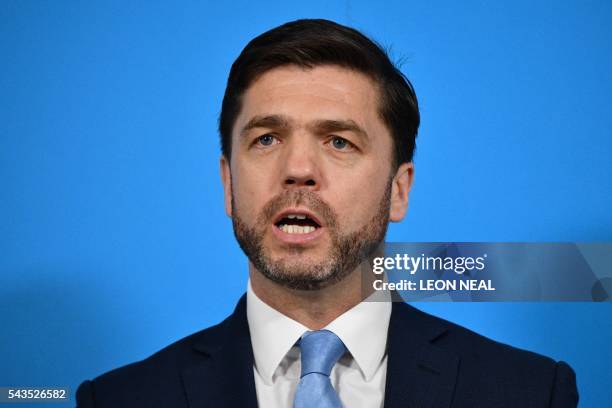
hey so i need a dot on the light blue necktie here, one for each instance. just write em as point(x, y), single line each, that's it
point(320, 351)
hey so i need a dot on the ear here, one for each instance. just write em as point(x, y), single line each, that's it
point(226, 179)
point(400, 187)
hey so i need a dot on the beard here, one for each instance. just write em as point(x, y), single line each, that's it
point(347, 250)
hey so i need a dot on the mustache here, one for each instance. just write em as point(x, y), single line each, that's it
point(295, 198)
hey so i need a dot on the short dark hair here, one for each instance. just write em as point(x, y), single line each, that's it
point(310, 43)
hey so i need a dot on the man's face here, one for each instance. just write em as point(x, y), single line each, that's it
point(310, 187)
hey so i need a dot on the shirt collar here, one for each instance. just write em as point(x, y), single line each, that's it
point(363, 330)
point(272, 335)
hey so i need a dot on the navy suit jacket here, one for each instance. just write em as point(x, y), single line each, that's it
point(432, 363)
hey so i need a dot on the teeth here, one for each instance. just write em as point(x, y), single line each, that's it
point(298, 216)
point(296, 229)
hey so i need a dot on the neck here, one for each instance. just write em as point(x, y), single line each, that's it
point(314, 309)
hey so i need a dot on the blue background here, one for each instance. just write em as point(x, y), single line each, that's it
point(113, 239)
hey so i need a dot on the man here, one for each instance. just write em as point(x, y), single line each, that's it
point(318, 131)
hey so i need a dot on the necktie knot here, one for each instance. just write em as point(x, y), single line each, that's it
point(320, 350)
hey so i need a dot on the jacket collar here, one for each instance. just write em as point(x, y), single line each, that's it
point(419, 373)
point(222, 373)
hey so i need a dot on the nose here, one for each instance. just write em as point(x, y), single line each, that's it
point(300, 167)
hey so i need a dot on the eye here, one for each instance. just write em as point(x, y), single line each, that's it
point(340, 143)
point(266, 140)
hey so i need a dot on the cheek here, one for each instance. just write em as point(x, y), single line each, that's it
point(358, 202)
point(251, 191)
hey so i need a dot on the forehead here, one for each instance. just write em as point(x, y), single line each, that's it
point(308, 94)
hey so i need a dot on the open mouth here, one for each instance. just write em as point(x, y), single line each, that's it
point(297, 223)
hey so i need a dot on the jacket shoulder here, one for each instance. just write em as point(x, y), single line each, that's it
point(153, 381)
point(487, 365)
point(470, 345)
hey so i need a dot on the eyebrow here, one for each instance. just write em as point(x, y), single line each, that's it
point(281, 122)
point(331, 125)
point(266, 121)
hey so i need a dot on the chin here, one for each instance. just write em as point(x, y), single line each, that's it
point(302, 276)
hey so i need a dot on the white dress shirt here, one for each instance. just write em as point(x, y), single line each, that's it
point(358, 377)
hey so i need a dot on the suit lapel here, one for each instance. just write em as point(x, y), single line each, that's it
point(419, 374)
point(222, 373)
